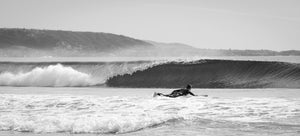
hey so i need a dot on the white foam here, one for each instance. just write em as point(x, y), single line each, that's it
point(76, 74)
point(94, 114)
point(53, 75)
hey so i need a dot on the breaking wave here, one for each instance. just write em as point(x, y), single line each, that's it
point(53, 75)
point(65, 74)
point(214, 74)
point(153, 74)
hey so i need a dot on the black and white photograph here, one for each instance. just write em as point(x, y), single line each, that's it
point(149, 67)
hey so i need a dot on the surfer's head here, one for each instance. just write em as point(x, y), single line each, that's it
point(188, 86)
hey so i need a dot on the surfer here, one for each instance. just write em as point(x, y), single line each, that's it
point(179, 92)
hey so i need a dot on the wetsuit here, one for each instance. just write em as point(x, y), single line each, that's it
point(177, 93)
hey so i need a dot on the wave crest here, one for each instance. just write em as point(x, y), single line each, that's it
point(214, 74)
point(52, 75)
point(66, 74)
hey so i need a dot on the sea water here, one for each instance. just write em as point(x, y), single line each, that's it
point(129, 111)
point(62, 109)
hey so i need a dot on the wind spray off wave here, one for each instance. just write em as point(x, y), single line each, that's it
point(65, 74)
point(53, 75)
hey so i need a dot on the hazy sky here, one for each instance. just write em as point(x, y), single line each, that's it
point(235, 24)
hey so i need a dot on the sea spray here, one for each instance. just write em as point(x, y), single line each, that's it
point(66, 74)
point(53, 75)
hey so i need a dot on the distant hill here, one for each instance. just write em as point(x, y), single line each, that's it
point(290, 53)
point(174, 49)
point(80, 42)
point(180, 49)
point(35, 43)
point(171, 45)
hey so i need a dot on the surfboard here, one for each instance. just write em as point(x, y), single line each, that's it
point(155, 94)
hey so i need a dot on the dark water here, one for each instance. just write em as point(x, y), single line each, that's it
point(214, 74)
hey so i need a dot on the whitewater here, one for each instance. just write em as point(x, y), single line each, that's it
point(66, 74)
point(106, 111)
point(89, 98)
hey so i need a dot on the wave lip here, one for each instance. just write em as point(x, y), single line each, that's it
point(214, 74)
point(52, 75)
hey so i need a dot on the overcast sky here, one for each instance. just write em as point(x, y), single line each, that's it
point(215, 24)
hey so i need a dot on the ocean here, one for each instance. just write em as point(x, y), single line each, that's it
point(98, 96)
